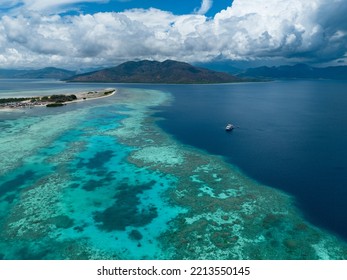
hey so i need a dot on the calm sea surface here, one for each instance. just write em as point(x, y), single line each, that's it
point(291, 135)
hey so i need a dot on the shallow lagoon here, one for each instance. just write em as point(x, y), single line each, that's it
point(100, 180)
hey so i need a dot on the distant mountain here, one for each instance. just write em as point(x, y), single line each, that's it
point(45, 73)
point(298, 71)
point(220, 66)
point(146, 71)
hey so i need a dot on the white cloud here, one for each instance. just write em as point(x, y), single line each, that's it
point(278, 28)
point(205, 7)
point(311, 30)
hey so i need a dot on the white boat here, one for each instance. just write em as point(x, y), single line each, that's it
point(229, 127)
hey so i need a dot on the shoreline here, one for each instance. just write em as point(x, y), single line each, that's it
point(54, 100)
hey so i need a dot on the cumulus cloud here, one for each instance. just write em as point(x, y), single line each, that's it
point(286, 28)
point(205, 7)
point(296, 30)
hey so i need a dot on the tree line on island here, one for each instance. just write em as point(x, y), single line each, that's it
point(52, 98)
point(56, 100)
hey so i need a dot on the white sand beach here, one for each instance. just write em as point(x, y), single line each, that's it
point(48, 100)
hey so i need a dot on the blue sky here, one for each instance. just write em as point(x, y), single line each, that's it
point(178, 7)
point(100, 33)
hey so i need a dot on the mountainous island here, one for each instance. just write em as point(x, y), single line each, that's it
point(44, 73)
point(167, 72)
point(298, 71)
point(175, 72)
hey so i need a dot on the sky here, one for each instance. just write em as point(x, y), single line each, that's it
point(77, 34)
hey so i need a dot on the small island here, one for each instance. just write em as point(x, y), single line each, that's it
point(56, 100)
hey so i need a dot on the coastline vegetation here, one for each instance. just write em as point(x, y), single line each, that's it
point(52, 98)
point(55, 100)
point(59, 98)
point(12, 100)
point(57, 104)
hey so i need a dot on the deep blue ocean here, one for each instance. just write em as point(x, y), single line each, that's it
point(290, 135)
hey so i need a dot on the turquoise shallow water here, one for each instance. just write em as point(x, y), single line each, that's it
point(100, 180)
point(77, 187)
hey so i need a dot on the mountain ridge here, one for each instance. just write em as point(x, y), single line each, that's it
point(148, 71)
point(170, 71)
point(44, 73)
point(297, 71)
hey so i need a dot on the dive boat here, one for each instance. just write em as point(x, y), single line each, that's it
point(229, 127)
